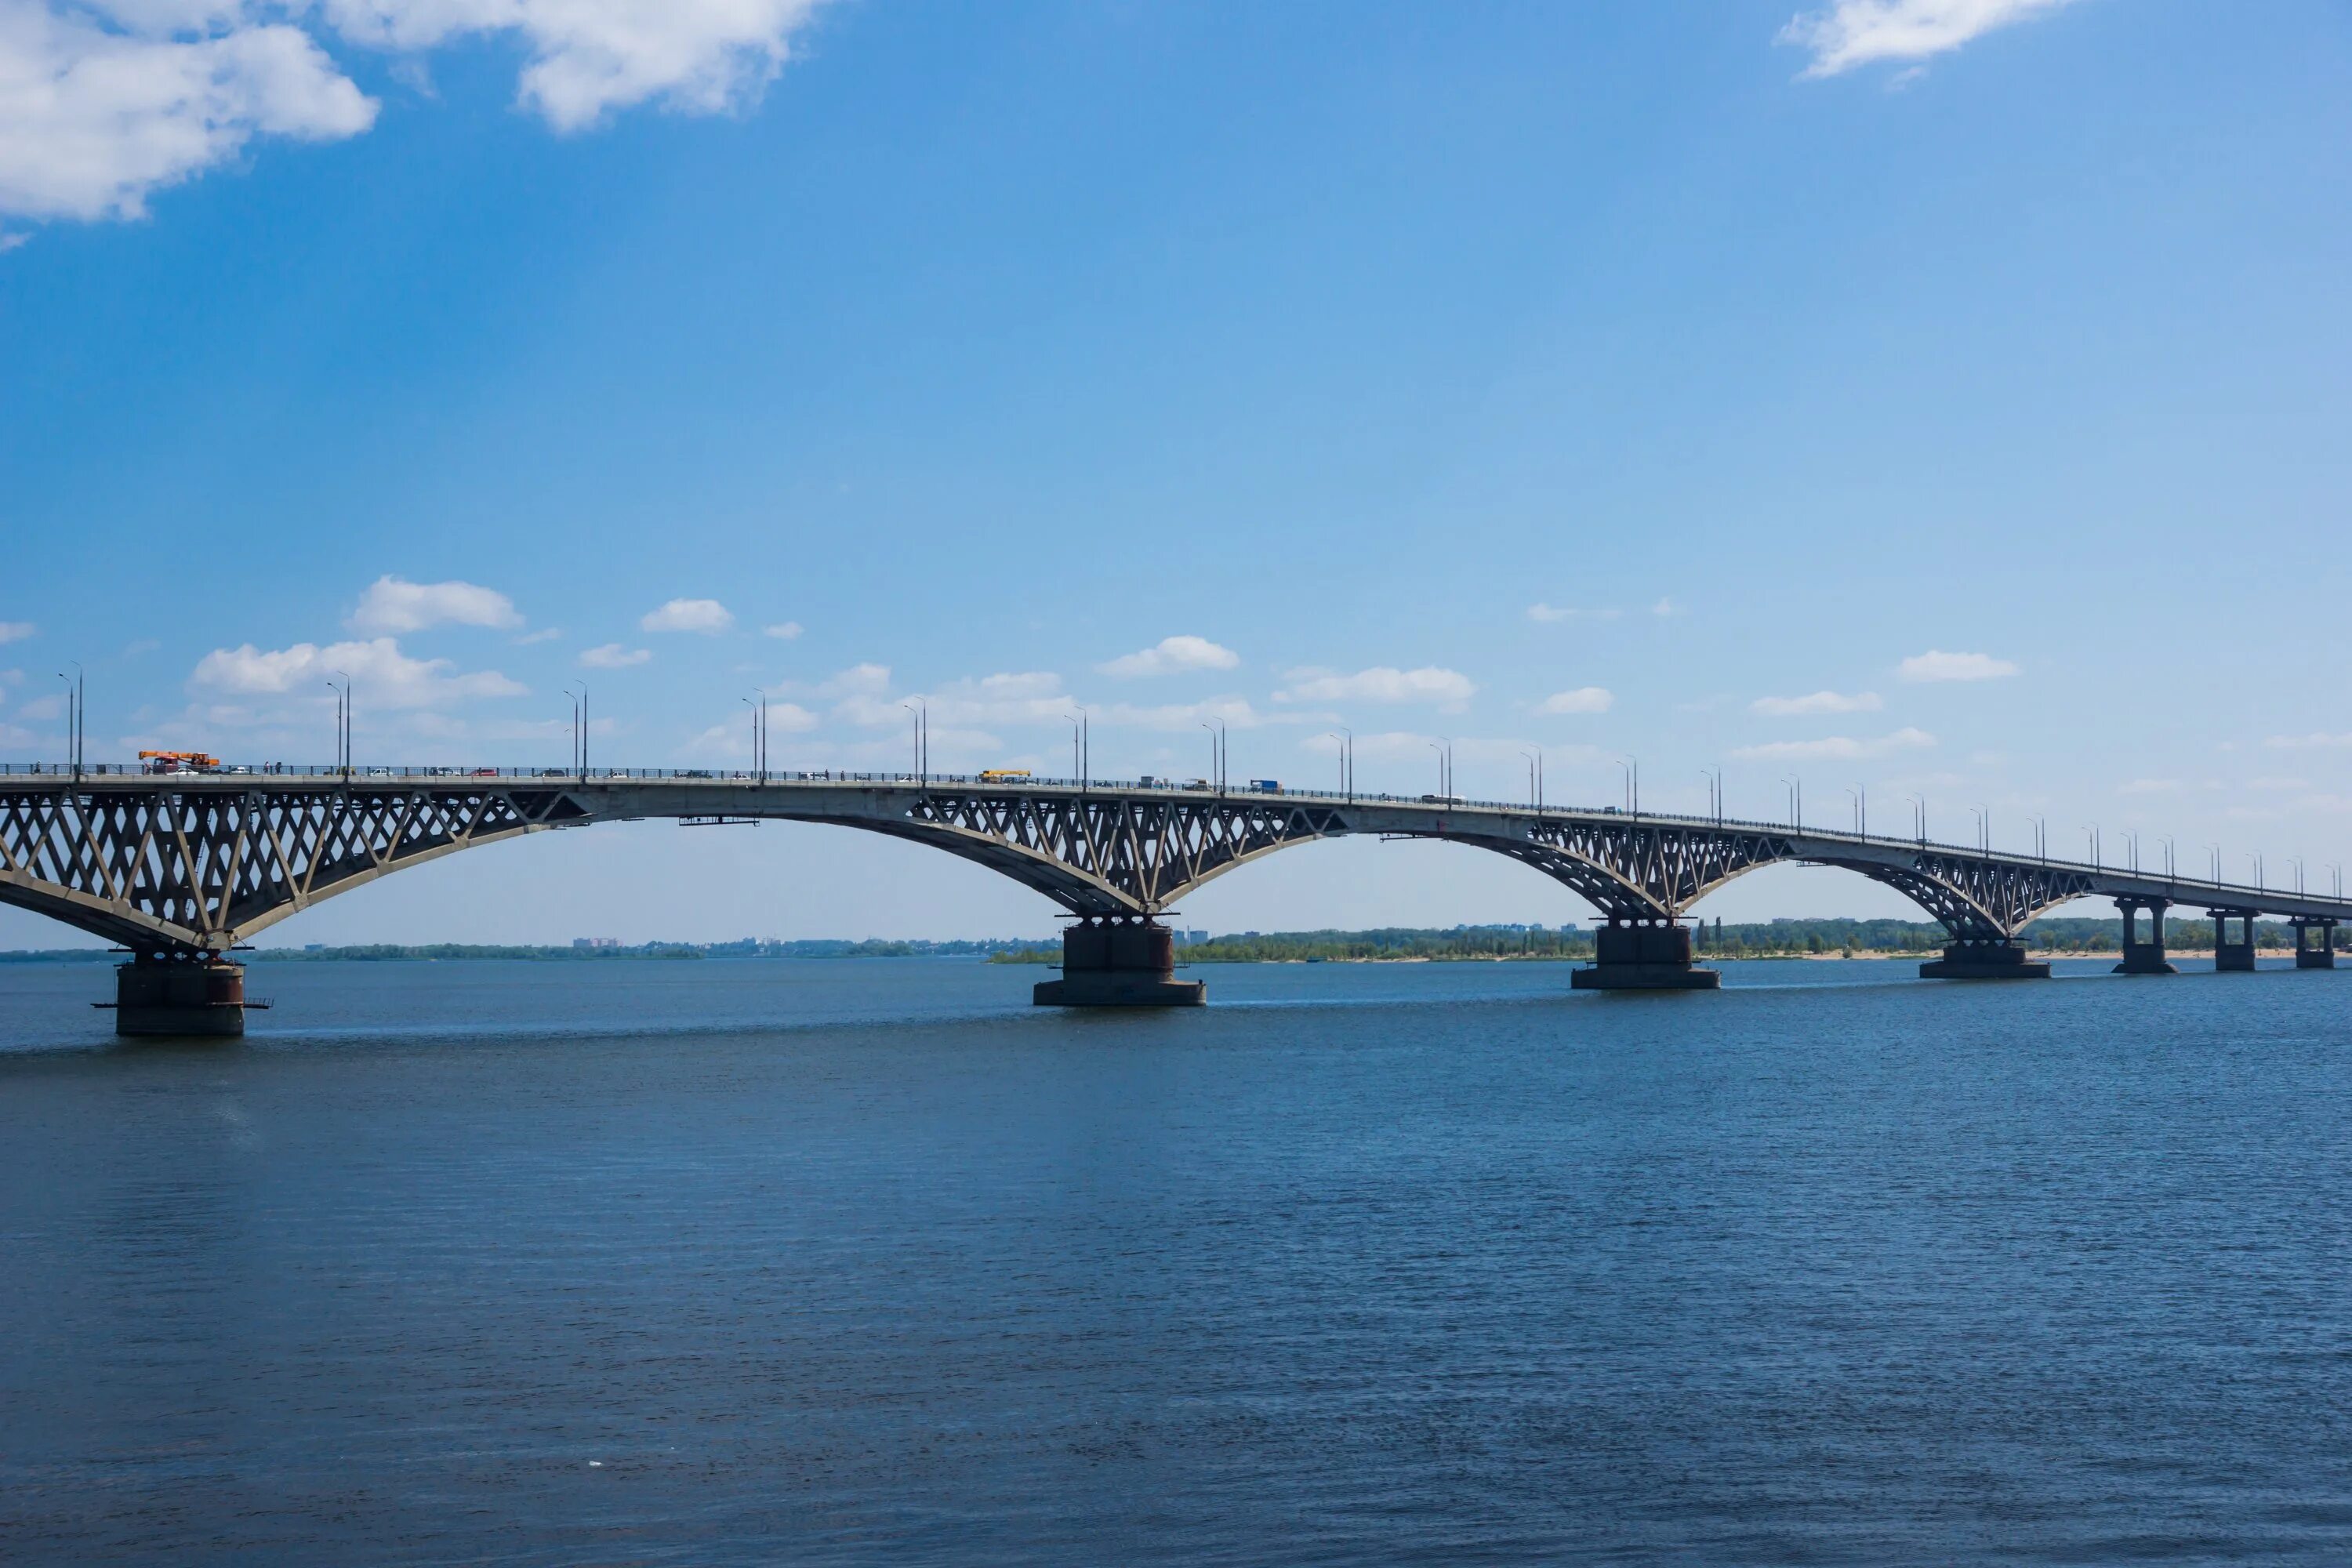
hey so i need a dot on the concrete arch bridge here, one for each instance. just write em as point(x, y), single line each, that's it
point(181, 869)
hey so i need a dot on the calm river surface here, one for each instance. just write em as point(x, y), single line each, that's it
point(868, 1260)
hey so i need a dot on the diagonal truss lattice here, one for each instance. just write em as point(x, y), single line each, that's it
point(189, 871)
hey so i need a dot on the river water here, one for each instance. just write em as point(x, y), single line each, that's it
point(868, 1260)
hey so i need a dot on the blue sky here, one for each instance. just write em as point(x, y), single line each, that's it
point(1937, 396)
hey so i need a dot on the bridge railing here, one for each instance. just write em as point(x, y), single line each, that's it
point(2219, 891)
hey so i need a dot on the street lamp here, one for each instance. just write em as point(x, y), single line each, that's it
point(922, 714)
point(1078, 745)
point(1445, 767)
point(1919, 809)
point(2131, 837)
point(2041, 839)
point(75, 714)
point(2296, 861)
point(2091, 832)
point(580, 721)
point(1217, 752)
point(1535, 776)
point(1796, 800)
point(2165, 839)
point(2215, 850)
point(1984, 829)
point(1630, 767)
point(1861, 798)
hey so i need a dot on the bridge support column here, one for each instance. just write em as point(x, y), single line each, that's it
point(2314, 942)
point(2234, 956)
point(2144, 955)
point(1984, 958)
point(182, 994)
point(1632, 955)
point(1119, 961)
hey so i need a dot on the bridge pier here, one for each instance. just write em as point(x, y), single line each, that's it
point(1634, 956)
point(1119, 960)
point(2143, 957)
point(2233, 957)
point(1984, 958)
point(2314, 942)
point(179, 995)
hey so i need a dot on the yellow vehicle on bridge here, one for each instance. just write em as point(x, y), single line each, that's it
point(1001, 775)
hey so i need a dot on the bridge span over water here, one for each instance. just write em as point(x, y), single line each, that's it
point(182, 870)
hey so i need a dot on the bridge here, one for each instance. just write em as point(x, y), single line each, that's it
point(183, 869)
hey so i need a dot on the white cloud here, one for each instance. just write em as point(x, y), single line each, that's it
point(707, 616)
point(1850, 33)
point(394, 605)
point(1549, 612)
point(1449, 689)
point(1937, 665)
point(1233, 712)
point(612, 656)
point(2149, 786)
point(381, 676)
point(545, 634)
point(857, 681)
point(1583, 699)
point(104, 102)
point(1816, 703)
point(2315, 741)
point(784, 630)
point(1837, 748)
point(588, 57)
point(94, 117)
point(15, 631)
point(1170, 655)
point(1665, 606)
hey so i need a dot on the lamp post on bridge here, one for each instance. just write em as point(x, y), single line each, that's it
point(75, 715)
point(2165, 839)
point(1714, 793)
point(1630, 767)
point(922, 712)
point(1796, 801)
point(1079, 760)
point(2091, 832)
point(2296, 861)
point(1984, 830)
point(1217, 752)
point(2041, 839)
point(2259, 884)
point(580, 729)
point(2131, 837)
point(1919, 812)
point(1534, 777)
point(342, 724)
point(1443, 747)
point(1859, 795)
point(2215, 850)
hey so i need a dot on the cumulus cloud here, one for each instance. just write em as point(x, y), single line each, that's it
point(101, 105)
point(1169, 656)
point(381, 676)
point(15, 631)
point(1850, 33)
point(783, 630)
point(1582, 700)
point(104, 102)
point(612, 656)
point(545, 634)
point(1549, 614)
point(589, 56)
point(1816, 703)
point(2316, 740)
point(707, 616)
point(1838, 748)
point(392, 605)
point(1937, 665)
point(1448, 690)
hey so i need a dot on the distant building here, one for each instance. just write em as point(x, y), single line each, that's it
point(595, 942)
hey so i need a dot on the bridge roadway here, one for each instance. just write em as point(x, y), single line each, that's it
point(182, 868)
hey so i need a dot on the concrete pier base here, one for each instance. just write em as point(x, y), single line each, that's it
point(1629, 957)
point(167, 994)
point(1984, 960)
point(2314, 943)
point(2233, 955)
point(2143, 954)
point(1119, 962)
